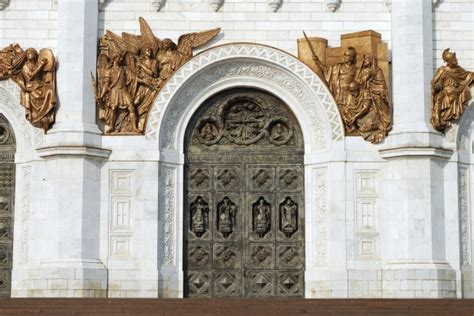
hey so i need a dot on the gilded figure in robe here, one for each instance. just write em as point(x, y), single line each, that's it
point(450, 92)
point(146, 63)
point(35, 74)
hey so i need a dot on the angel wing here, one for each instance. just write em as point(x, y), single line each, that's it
point(121, 44)
point(187, 42)
point(146, 39)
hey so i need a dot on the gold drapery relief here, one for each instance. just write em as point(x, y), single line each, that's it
point(355, 75)
point(132, 69)
point(35, 74)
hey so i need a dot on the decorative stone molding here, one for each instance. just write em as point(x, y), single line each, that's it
point(216, 4)
point(10, 102)
point(4, 4)
point(464, 128)
point(320, 241)
point(167, 214)
point(158, 4)
point(333, 5)
point(366, 214)
point(274, 5)
point(121, 192)
point(233, 61)
point(465, 215)
point(25, 213)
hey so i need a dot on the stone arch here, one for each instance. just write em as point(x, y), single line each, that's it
point(464, 129)
point(240, 65)
point(245, 65)
point(27, 137)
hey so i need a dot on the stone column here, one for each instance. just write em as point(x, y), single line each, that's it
point(413, 219)
point(70, 264)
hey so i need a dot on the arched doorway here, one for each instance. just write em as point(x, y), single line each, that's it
point(7, 189)
point(244, 198)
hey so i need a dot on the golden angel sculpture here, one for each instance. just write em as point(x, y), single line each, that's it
point(35, 74)
point(360, 92)
point(131, 70)
point(450, 92)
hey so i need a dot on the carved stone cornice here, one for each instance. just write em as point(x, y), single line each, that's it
point(416, 152)
point(78, 151)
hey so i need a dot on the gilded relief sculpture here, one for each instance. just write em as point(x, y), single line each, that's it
point(450, 92)
point(359, 89)
point(35, 74)
point(131, 70)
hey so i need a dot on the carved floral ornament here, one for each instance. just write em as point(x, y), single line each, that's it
point(450, 92)
point(132, 69)
point(35, 75)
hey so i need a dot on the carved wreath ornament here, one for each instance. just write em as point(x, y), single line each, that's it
point(244, 120)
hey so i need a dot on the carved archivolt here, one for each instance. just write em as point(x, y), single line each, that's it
point(275, 67)
point(35, 74)
point(27, 136)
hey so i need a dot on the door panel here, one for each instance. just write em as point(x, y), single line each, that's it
point(244, 214)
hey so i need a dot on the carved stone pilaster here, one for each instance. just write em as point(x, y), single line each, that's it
point(168, 214)
point(465, 217)
point(321, 223)
point(25, 214)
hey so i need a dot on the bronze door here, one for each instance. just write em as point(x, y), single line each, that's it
point(244, 200)
point(7, 187)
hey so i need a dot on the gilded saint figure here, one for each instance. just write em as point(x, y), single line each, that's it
point(35, 74)
point(374, 122)
point(117, 97)
point(125, 90)
point(450, 92)
point(339, 76)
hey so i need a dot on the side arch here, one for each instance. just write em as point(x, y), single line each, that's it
point(27, 137)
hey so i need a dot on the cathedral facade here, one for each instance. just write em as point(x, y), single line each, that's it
point(240, 157)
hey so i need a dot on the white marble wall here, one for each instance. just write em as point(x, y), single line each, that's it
point(101, 215)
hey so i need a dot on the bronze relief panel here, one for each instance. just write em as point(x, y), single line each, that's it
point(244, 199)
point(7, 198)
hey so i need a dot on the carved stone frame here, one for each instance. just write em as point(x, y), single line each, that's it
point(218, 69)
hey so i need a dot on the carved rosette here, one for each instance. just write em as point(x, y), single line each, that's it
point(35, 74)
